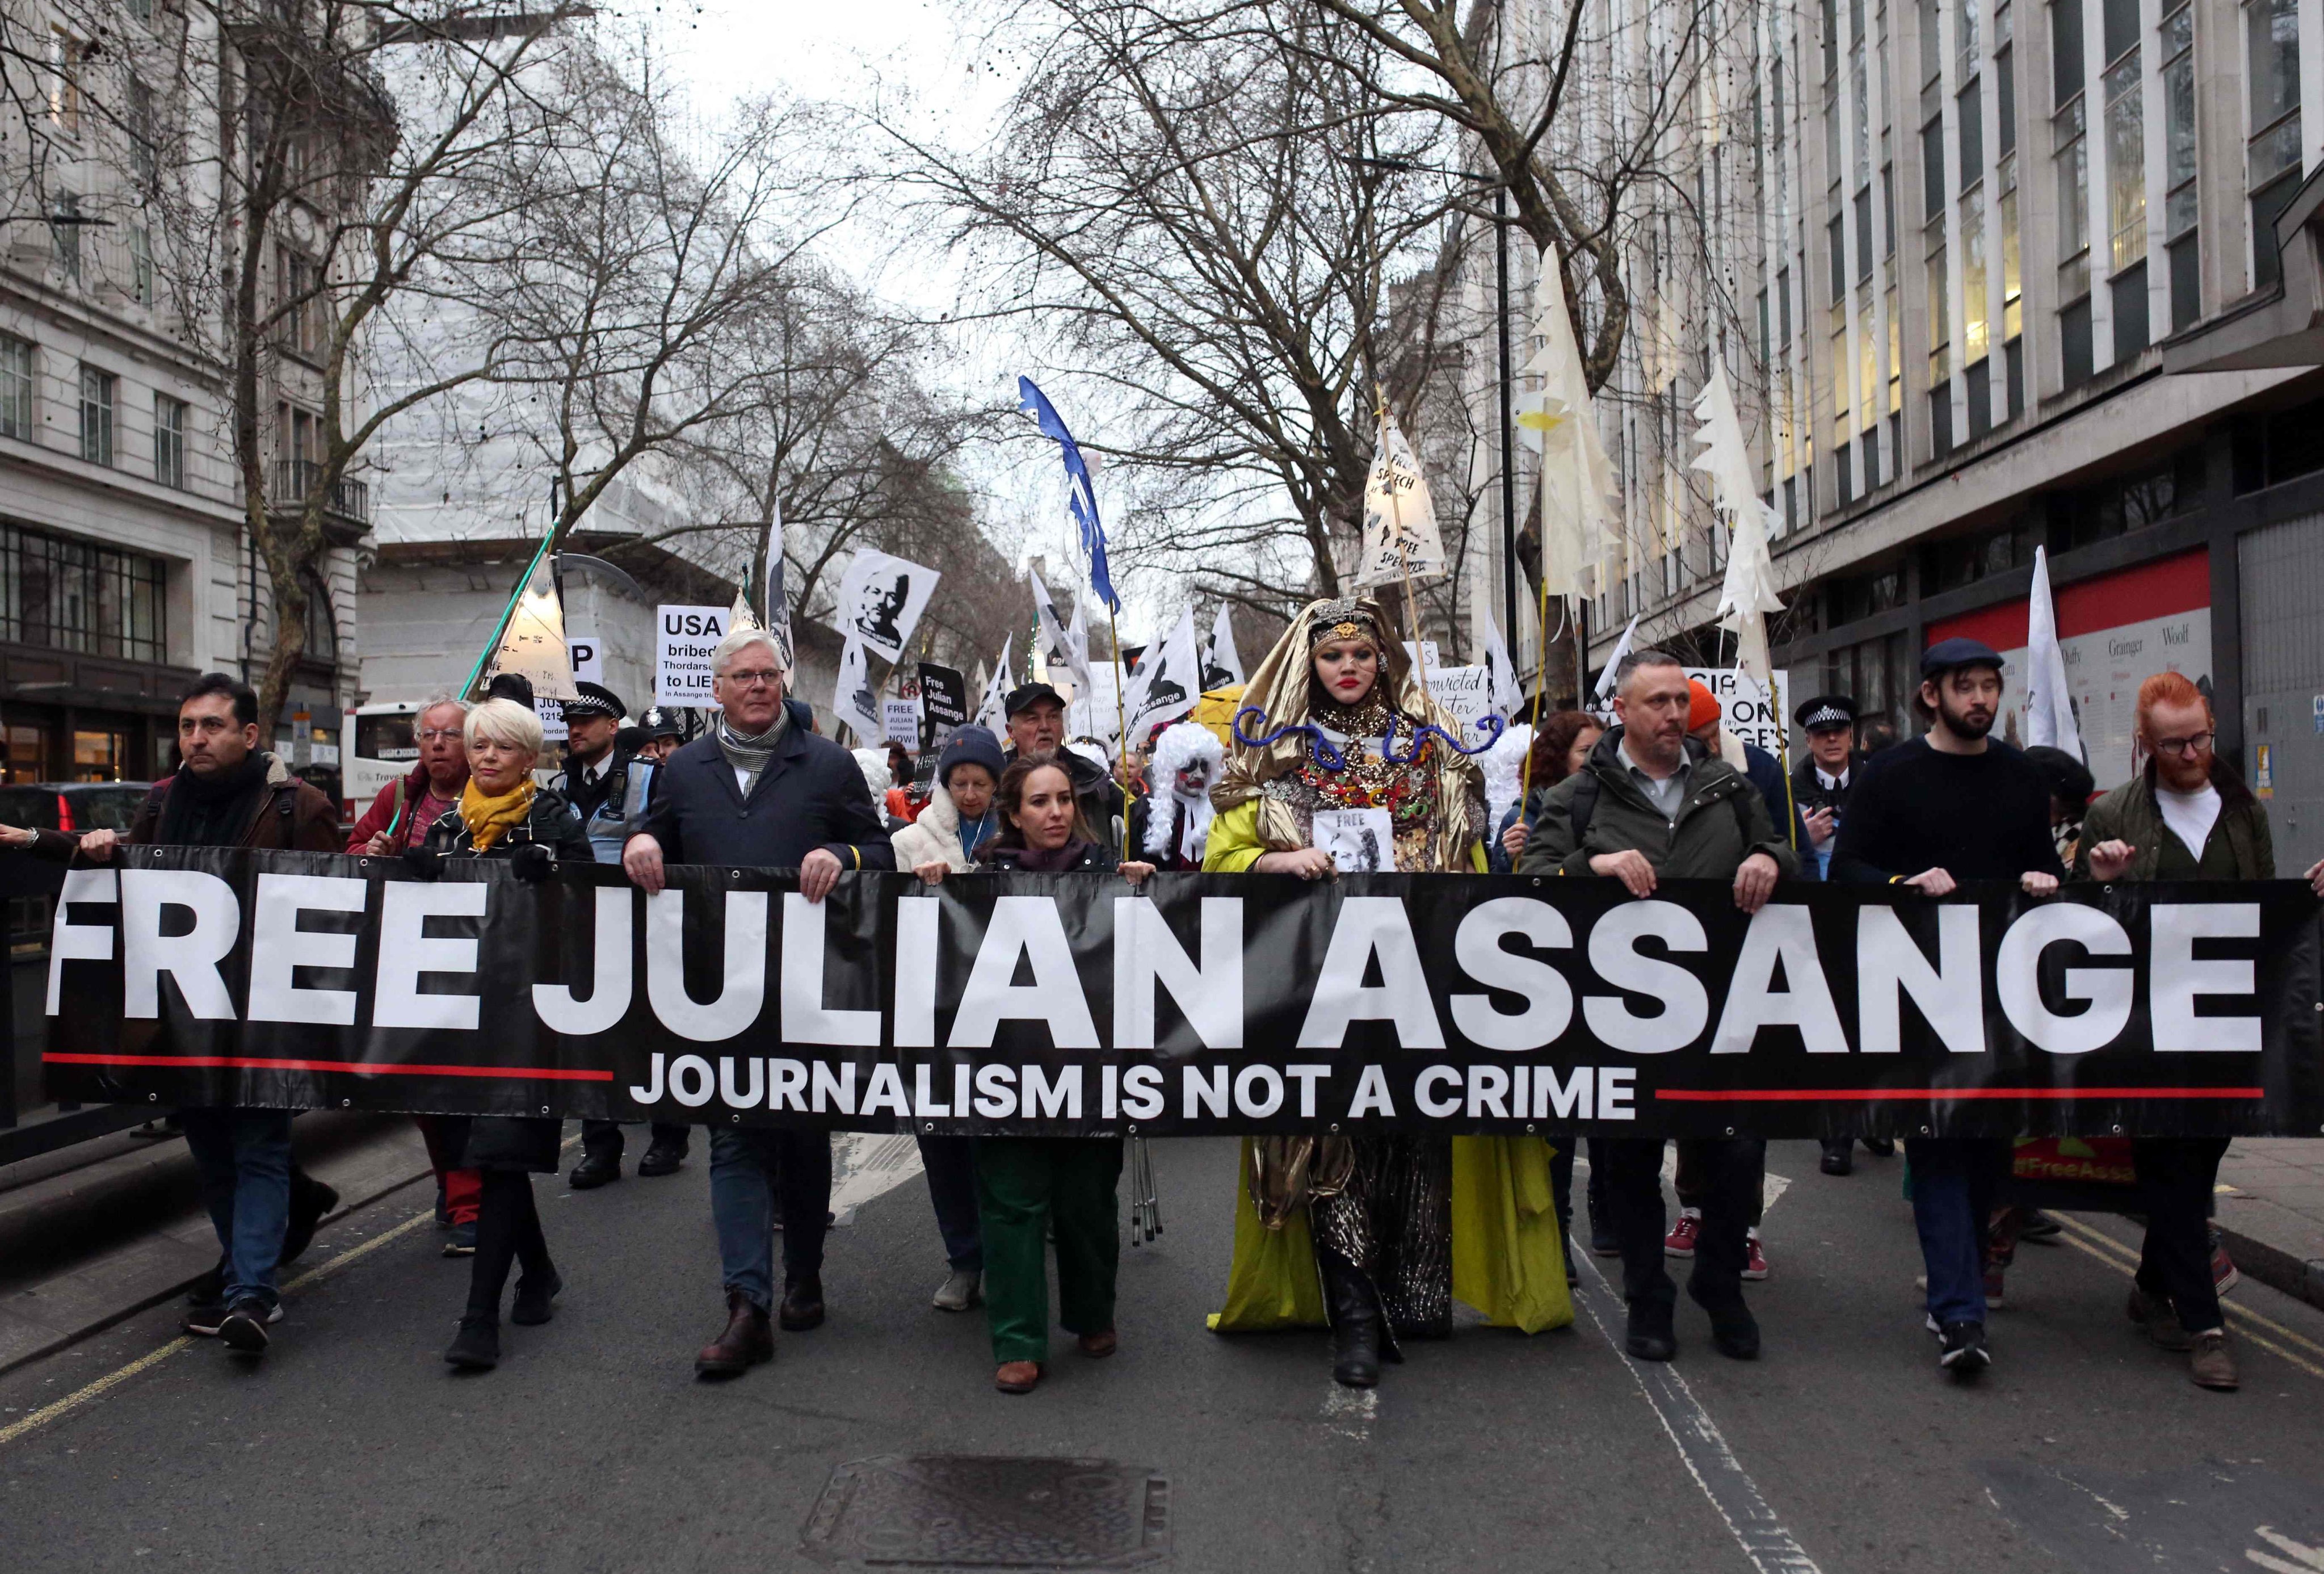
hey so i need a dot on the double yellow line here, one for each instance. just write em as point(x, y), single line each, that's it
point(2114, 1254)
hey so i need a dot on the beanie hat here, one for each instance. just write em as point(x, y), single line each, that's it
point(969, 746)
point(1705, 709)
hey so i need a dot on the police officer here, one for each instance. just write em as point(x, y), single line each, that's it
point(1820, 782)
point(1819, 785)
point(608, 787)
point(659, 734)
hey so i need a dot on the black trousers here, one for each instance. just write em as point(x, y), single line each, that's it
point(508, 1231)
point(604, 1137)
point(2175, 1177)
point(1728, 1169)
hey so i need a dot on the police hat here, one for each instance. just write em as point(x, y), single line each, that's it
point(1825, 710)
point(658, 722)
point(1030, 694)
point(597, 699)
point(1951, 655)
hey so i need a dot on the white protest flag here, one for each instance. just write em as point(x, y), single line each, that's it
point(1614, 662)
point(851, 696)
point(740, 616)
point(1168, 680)
point(2049, 703)
point(1055, 650)
point(881, 599)
point(1575, 478)
point(1504, 694)
point(1400, 537)
point(991, 711)
point(1748, 593)
point(533, 645)
point(773, 594)
point(1222, 666)
point(1077, 657)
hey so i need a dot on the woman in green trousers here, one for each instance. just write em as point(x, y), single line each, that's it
point(1024, 1185)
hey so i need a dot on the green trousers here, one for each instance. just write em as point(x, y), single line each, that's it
point(1023, 1184)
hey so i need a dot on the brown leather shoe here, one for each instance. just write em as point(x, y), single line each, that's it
point(802, 1306)
point(2211, 1364)
point(1098, 1346)
point(747, 1342)
point(1017, 1377)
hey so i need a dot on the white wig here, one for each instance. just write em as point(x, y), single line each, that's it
point(1189, 745)
point(1174, 819)
point(874, 764)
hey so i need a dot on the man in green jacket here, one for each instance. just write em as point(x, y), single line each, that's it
point(1651, 805)
point(2188, 816)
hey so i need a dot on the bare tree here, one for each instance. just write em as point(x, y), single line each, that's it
point(1200, 220)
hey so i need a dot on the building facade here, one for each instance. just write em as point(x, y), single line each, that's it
point(126, 566)
point(1988, 277)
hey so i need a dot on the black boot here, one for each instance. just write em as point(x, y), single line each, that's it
point(1355, 1323)
point(1839, 1155)
point(477, 1346)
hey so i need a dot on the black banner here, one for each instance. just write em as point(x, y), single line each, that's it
point(1057, 1005)
point(944, 700)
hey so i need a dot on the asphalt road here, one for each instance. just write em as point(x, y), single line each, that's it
point(353, 1448)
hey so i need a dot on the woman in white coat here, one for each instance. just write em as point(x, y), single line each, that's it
point(958, 822)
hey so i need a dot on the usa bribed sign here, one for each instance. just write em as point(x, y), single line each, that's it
point(1069, 1004)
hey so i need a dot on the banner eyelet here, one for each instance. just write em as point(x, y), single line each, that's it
point(927, 1125)
point(544, 1110)
point(1528, 1128)
point(152, 1098)
point(1335, 1125)
point(346, 1104)
point(1133, 1128)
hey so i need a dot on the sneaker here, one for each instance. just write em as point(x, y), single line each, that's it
point(2224, 1274)
point(203, 1317)
point(2037, 1226)
point(244, 1326)
point(961, 1289)
point(1680, 1242)
point(1960, 1348)
point(1603, 1241)
point(2212, 1365)
point(1993, 1296)
point(462, 1241)
point(1755, 1259)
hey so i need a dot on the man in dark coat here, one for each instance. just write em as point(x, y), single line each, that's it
point(760, 790)
point(1651, 804)
point(228, 792)
point(1036, 731)
point(608, 786)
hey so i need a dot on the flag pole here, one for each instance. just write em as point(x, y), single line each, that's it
point(524, 582)
point(1122, 720)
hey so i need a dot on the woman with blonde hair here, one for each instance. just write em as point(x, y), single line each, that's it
point(503, 815)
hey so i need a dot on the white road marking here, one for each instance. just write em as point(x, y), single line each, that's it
point(2305, 1560)
point(1350, 1411)
point(866, 1165)
point(1703, 1450)
point(1775, 1187)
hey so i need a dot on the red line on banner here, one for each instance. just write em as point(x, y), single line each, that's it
point(1810, 1095)
point(359, 1068)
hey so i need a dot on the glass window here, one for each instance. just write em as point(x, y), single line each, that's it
point(2125, 164)
point(1972, 133)
point(2012, 282)
point(15, 386)
point(2066, 52)
point(1933, 169)
point(2118, 27)
point(2272, 34)
point(1933, 52)
point(67, 61)
point(74, 594)
point(1940, 326)
point(1974, 316)
point(2073, 167)
point(2177, 42)
point(169, 441)
point(64, 228)
point(97, 393)
point(2005, 88)
point(137, 122)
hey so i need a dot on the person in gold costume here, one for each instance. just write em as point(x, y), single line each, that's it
point(1377, 1235)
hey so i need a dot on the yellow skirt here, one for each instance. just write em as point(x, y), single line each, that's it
point(1509, 1256)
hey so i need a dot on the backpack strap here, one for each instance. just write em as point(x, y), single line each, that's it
point(1584, 807)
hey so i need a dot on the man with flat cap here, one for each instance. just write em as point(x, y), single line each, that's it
point(1950, 806)
point(1036, 731)
point(608, 787)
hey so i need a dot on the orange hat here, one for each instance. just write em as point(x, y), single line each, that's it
point(1705, 709)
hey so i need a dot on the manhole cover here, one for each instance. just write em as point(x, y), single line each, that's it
point(982, 1512)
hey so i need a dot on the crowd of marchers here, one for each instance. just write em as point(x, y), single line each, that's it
point(1339, 755)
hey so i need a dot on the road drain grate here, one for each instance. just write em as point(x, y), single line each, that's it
point(989, 1511)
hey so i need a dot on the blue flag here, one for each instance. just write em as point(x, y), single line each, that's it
point(1081, 499)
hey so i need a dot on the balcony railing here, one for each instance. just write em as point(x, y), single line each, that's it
point(296, 480)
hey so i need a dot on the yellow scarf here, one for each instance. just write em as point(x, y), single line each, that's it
point(489, 819)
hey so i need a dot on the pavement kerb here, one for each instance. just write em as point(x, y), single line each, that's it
point(122, 1314)
point(2275, 1267)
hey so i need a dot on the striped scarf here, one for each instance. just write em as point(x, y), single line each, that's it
point(749, 754)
